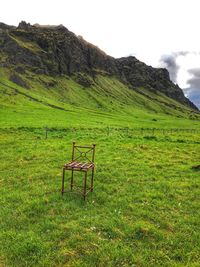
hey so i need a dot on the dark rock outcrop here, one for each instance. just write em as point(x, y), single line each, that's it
point(14, 77)
point(139, 74)
point(54, 50)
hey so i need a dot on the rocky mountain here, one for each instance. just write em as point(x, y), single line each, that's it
point(54, 50)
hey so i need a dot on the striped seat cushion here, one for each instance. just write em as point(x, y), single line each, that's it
point(79, 165)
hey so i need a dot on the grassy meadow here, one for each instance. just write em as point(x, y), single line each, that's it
point(144, 210)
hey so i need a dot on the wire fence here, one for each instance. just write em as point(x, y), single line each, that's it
point(49, 133)
point(109, 131)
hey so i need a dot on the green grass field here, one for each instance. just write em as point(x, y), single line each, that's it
point(144, 210)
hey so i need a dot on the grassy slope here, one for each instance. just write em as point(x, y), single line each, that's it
point(107, 102)
point(144, 210)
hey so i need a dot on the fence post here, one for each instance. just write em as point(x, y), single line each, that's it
point(108, 132)
point(127, 131)
point(46, 132)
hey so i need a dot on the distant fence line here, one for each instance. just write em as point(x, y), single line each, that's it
point(30, 133)
point(126, 130)
point(47, 132)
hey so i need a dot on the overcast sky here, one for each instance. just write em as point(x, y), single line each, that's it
point(158, 32)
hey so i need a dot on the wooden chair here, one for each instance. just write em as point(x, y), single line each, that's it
point(83, 161)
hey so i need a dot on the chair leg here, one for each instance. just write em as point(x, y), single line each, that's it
point(72, 179)
point(92, 180)
point(63, 181)
point(85, 186)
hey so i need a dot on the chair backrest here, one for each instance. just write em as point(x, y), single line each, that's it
point(83, 153)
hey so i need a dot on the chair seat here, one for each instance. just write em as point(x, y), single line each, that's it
point(75, 165)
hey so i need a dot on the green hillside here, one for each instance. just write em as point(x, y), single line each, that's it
point(62, 102)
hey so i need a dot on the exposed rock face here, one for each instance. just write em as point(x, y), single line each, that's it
point(139, 74)
point(14, 77)
point(54, 50)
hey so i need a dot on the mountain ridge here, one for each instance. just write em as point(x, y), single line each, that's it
point(54, 50)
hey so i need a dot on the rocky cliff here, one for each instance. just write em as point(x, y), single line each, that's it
point(54, 50)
